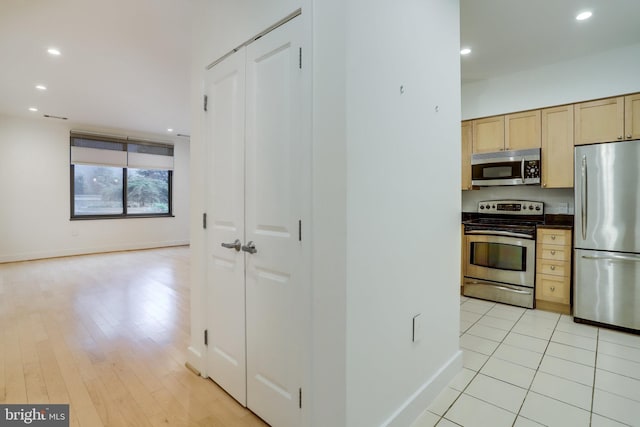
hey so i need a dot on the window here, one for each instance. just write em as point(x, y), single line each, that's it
point(147, 191)
point(119, 178)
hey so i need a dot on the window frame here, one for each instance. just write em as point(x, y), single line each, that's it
point(125, 143)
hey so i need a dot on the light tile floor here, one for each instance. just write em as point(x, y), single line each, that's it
point(528, 368)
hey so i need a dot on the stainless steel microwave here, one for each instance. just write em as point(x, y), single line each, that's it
point(518, 167)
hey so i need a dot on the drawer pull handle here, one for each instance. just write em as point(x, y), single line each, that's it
point(553, 237)
point(553, 267)
point(553, 288)
point(553, 252)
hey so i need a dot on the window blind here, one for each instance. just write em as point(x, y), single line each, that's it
point(113, 151)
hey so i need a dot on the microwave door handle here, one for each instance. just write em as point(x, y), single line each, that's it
point(522, 170)
point(583, 196)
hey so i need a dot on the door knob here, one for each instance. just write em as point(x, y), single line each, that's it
point(250, 247)
point(235, 245)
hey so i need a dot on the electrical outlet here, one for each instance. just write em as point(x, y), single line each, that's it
point(417, 328)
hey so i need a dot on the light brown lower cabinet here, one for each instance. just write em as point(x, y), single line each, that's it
point(553, 270)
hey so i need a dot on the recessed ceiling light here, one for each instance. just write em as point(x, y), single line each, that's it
point(34, 109)
point(53, 51)
point(41, 87)
point(465, 51)
point(584, 15)
point(169, 130)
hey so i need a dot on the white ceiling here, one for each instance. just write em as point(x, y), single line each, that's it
point(125, 63)
point(507, 36)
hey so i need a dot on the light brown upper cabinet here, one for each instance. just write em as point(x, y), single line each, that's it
point(599, 121)
point(488, 134)
point(467, 142)
point(632, 116)
point(557, 147)
point(516, 131)
point(522, 130)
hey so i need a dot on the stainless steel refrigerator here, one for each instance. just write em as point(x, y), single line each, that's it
point(607, 234)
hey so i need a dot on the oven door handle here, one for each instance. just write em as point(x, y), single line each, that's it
point(498, 233)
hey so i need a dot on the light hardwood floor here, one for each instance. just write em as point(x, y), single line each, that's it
point(107, 334)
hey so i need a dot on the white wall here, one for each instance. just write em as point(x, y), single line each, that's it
point(600, 75)
point(403, 205)
point(374, 262)
point(35, 198)
point(329, 228)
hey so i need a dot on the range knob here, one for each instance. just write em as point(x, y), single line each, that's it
point(537, 208)
point(481, 207)
point(531, 207)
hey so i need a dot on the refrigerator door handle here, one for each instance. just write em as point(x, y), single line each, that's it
point(583, 208)
point(612, 258)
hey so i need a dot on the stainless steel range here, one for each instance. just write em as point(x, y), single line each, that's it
point(500, 251)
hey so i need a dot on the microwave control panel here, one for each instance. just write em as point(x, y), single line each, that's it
point(532, 169)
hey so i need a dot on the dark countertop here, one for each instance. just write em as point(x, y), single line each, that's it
point(562, 221)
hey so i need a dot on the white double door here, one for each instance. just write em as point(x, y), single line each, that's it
point(257, 194)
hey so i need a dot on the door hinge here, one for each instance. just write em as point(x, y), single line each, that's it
point(300, 58)
point(206, 100)
point(206, 337)
point(204, 220)
point(300, 230)
point(300, 398)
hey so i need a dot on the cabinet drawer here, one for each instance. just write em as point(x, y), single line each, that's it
point(554, 268)
point(555, 253)
point(552, 288)
point(554, 237)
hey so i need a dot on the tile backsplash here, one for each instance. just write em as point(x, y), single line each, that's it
point(556, 200)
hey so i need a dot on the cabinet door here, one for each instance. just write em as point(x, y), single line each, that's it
point(557, 147)
point(488, 134)
point(467, 139)
point(599, 121)
point(553, 289)
point(225, 357)
point(277, 154)
point(554, 237)
point(632, 116)
point(522, 130)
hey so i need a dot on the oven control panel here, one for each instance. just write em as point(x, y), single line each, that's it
point(511, 207)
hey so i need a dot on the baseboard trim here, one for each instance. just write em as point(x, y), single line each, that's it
point(90, 251)
point(194, 360)
point(416, 404)
point(192, 368)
